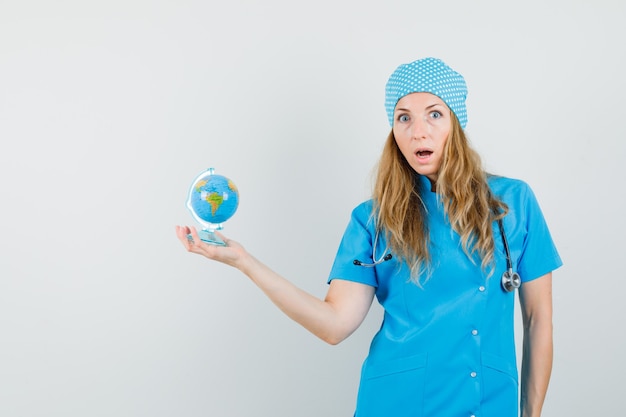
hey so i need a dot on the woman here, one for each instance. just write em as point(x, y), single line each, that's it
point(431, 245)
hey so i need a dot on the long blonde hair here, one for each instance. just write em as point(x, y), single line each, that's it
point(463, 191)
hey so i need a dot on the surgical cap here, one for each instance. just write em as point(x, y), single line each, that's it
point(427, 75)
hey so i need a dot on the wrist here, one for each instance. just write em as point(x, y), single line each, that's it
point(247, 264)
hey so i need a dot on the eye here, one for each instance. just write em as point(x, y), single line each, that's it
point(435, 114)
point(403, 118)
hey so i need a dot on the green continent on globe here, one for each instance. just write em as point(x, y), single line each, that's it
point(215, 200)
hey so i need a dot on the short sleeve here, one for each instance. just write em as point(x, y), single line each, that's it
point(356, 244)
point(539, 255)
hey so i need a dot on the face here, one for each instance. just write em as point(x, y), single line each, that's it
point(421, 125)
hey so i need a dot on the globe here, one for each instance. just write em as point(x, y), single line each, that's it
point(213, 199)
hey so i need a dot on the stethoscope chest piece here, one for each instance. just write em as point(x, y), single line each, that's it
point(511, 281)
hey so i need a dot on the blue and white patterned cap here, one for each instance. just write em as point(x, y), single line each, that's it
point(427, 75)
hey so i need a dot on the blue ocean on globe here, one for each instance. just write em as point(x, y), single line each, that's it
point(213, 199)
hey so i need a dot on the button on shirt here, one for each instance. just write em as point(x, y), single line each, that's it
point(445, 348)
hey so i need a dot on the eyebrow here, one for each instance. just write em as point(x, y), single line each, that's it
point(427, 107)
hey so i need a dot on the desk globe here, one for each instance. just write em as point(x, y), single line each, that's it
point(213, 199)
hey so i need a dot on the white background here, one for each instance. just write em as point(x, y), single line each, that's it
point(109, 109)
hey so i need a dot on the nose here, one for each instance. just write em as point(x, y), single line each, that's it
point(420, 128)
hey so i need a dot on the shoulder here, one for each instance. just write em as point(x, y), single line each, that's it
point(526, 228)
point(510, 190)
point(362, 216)
point(364, 210)
point(503, 185)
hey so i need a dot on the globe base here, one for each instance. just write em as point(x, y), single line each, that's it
point(209, 237)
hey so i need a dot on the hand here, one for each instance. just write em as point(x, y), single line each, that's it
point(232, 254)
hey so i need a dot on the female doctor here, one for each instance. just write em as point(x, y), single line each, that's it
point(442, 245)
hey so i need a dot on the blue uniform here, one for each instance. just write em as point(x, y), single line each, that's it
point(446, 349)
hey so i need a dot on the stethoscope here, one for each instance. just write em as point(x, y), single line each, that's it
point(384, 258)
point(510, 279)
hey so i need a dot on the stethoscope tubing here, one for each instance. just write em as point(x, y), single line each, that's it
point(510, 280)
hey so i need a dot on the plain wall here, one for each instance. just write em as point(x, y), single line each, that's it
point(109, 109)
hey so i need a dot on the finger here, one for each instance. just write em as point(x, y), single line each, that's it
point(179, 232)
point(190, 239)
point(193, 233)
point(182, 233)
point(196, 244)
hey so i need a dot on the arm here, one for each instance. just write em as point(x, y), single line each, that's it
point(332, 319)
point(536, 303)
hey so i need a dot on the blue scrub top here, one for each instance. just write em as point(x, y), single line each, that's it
point(447, 348)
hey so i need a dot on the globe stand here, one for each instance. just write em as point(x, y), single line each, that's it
point(209, 237)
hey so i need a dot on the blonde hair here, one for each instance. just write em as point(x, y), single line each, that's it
point(461, 188)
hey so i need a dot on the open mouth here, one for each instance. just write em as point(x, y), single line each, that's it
point(423, 153)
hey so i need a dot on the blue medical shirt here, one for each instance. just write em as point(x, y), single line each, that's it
point(446, 349)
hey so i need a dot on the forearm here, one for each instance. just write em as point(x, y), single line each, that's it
point(318, 316)
point(536, 366)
